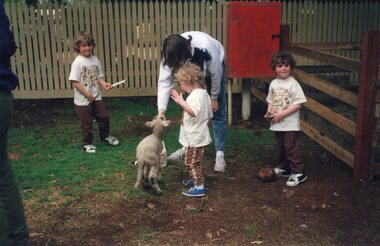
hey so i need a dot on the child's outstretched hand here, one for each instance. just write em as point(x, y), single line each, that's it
point(177, 97)
point(107, 86)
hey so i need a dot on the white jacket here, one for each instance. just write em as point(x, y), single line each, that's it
point(214, 67)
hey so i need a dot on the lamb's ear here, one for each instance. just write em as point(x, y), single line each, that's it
point(166, 123)
point(149, 124)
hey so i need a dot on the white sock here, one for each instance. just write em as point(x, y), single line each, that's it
point(199, 187)
point(220, 153)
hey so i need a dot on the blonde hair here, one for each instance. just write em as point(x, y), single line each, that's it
point(83, 37)
point(190, 73)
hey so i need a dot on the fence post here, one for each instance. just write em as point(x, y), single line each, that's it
point(366, 105)
point(284, 37)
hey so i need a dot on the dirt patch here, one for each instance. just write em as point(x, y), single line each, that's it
point(328, 209)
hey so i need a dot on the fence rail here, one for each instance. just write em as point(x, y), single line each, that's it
point(129, 36)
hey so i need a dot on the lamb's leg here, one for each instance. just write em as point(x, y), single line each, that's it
point(146, 173)
point(140, 170)
point(153, 180)
point(159, 176)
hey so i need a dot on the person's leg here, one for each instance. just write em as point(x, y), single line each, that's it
point(12, 218)
point(219, 123)
point(194, 165)
point(4, 240)
point(85, 116)
point(291, 147)
point(102, 117)
point(282, 161)
point(282, 167)
point(291, 144)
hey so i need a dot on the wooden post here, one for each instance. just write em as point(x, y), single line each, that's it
point(246, 99)
point(284, 37)
point(366, 105)
point(229, 94)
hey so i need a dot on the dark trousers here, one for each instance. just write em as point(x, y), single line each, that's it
point(87, 114)
point(289, 151)
point(13, 229)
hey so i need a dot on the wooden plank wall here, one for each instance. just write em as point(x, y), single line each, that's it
point(128, 39)
point(129, 36)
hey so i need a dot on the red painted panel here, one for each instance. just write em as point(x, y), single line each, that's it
point(253, 30)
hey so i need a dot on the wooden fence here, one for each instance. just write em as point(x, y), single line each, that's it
point(363, 130)
point(129, 36)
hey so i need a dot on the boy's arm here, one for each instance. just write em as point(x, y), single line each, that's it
point(179, 100)
point(270, 108)
point(82, 90)
point(290, 110)
point(105, 85)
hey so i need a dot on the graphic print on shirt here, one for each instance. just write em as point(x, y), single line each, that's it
point(281, 99)
point(90, 76)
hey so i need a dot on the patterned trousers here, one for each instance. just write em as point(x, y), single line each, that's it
point(193, 164)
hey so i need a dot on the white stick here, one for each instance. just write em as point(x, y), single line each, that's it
point(119, 83)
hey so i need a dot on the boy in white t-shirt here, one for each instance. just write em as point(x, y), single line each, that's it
point(87, 77)
point(285, 99)
point(194, 134)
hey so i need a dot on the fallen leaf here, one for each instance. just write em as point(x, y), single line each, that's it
point(257, 242)
point(14, 156)
point(191, 207)
point(151, 205)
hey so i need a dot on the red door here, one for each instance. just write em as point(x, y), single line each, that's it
point(253, 30)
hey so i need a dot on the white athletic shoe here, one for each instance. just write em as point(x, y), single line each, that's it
point(177, 155)
point(220, 164)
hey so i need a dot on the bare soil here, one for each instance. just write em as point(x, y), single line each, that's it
point(328, 209)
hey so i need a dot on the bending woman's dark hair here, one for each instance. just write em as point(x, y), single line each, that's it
point(176, 50)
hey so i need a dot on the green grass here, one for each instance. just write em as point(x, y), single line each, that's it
point(51, 158)
point(250, 231)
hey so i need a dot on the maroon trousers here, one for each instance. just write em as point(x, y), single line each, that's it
point(193, 164)
point(87, 114)
point(288, 149)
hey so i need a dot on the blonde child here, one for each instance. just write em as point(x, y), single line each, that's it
point(87, 77)
point(285, 99)
point(194, 133)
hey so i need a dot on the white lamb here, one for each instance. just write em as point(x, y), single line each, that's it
point(148, 153)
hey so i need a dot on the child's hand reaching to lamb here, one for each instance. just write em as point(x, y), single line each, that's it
point(177, 97)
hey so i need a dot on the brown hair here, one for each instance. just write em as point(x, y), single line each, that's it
point(282, 57)
point(175, 51)
point(83, 37)
point(189, 73)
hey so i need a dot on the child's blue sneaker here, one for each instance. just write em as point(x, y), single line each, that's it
point(193, 192)
point(188, 182)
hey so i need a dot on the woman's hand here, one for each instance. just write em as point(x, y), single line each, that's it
point(214, 105)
